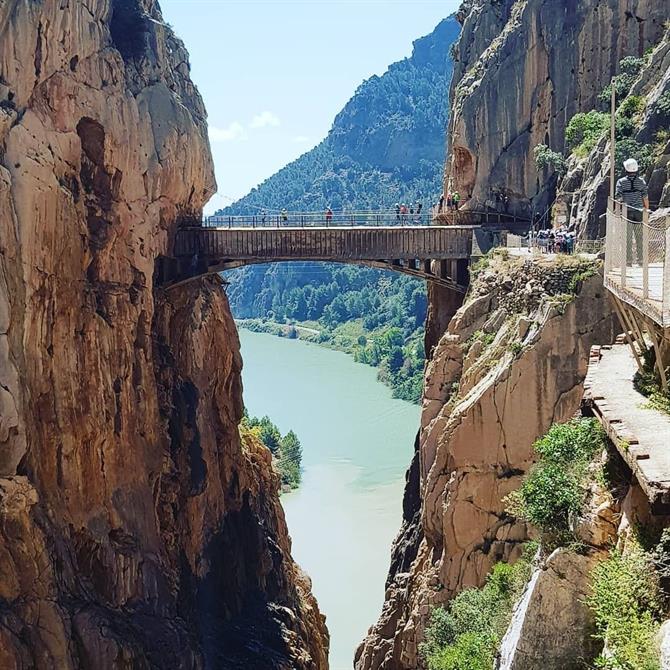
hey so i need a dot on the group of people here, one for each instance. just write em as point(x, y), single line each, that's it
point(558, 240)
point(452, 201)
point(403, 211)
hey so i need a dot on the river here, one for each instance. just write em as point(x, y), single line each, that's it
point(357, 443)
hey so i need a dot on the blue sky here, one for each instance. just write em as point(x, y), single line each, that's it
point(275, 73)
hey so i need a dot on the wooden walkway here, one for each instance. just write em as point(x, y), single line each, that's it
point(640, 434)
point(631, 290)
point(436, 253)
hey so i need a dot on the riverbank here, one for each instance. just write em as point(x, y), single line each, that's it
point(399, 358)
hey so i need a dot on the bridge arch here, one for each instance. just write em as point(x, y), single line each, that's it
point(439, 254)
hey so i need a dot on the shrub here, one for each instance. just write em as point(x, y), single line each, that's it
point(629, 147)
point(662, 105)
point(465, 635)
point(546, 158)
point(629, 70)
point(584, 131)
point(554, 490)
point(625, 601)
point(648, 383)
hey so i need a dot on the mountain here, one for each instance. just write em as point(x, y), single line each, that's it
point(386, 145)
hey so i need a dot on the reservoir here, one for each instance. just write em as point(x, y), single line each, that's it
point(357, 444)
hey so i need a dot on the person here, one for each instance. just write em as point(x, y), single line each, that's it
point(450, 201)
point(632, 190)
point(284, 216)
point(419, 208)
point(403, 213)
point(397, 212)
point(457, 200)
point(441, 204)
point(329, 216)
point(264, 216)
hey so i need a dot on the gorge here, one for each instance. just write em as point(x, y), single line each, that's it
point(140, 528)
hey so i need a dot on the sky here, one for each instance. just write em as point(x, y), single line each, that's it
point(274, 73)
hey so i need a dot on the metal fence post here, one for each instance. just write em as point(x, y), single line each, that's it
point(623, 217)
point(645, 254)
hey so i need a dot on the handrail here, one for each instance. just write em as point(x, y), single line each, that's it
point(360, 218)
point(637, 263)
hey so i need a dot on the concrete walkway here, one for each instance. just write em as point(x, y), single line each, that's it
point(640, 434)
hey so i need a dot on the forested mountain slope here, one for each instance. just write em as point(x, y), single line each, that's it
point(386, 146)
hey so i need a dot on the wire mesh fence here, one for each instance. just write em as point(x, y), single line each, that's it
point(637, 269)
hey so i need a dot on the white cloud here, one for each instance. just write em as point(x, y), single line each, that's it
point(265, 120)
point(235, 132)
point(301, 139)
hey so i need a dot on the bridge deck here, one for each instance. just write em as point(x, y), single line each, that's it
point(355, 243)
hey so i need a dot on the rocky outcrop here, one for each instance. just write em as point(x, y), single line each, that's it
point(523, 69)
point(552, 626)
point(511, 363)
point(584, 191)
point(137, 530)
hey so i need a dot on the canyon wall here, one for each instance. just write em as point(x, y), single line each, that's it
point(511, 364)
point(584, 190)
point(523, 69)
point(513, 359)
point(137, 528)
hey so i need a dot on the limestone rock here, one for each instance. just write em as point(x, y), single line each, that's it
point(475, 449)
point(552, 627)
point(522, 70)
point(664, 643)
point(136, 530)
point(585, 189)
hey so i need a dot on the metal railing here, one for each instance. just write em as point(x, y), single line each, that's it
point(363, 219)
point(637, 266)
point(320, 219)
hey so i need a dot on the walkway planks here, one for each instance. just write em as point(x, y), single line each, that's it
point(640, 434)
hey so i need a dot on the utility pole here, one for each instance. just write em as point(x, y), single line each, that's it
point(613, 142)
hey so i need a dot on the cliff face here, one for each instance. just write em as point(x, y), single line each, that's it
point(511, 363)
point(585, 189)
point(136, 529)
point(523, 69)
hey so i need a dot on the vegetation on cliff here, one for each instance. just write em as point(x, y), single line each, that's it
point(648, 383)
point(626, 601)
point(466, 634)
point(286, 450)
point(587, 129)
point(554, 492)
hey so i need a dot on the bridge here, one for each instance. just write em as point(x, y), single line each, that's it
point(403, 242)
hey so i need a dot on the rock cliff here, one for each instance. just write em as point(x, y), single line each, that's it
point(511, 363)
point(584, 190)
point(137, 529)
point(523, 69)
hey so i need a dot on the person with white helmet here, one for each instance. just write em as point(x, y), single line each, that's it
point(632, 190)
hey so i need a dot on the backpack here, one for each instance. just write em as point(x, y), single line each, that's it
point(631, 183)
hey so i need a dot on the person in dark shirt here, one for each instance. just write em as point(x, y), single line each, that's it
point(633, 192)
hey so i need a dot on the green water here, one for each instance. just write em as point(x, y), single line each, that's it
point(357, 443)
